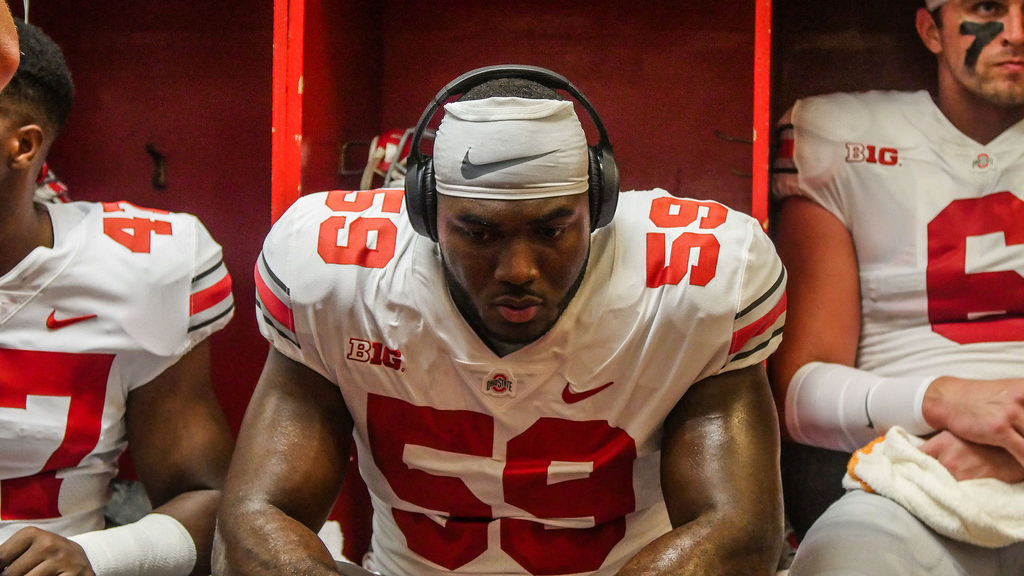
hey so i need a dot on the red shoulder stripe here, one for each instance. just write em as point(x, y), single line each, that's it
point(277, 309)
point(210, 297)
point(743, 335)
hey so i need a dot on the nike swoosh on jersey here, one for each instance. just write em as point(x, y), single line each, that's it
point(54, 324)
point(471, 170)
point(570, 397)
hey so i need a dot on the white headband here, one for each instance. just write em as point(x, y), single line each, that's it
point(933, 4)
point(506, 148)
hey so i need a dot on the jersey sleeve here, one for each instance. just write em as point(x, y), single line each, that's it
point(174, 289)
point(811, 155)
point(274, 313)
point(785, 182)
point(276, 275)
point(761, 305)
point(211, 303)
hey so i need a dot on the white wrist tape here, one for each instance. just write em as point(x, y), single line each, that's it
point(156, 545)
point(843, 408)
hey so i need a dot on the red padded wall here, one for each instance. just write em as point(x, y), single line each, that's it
point(664, 76)
point(193, 80)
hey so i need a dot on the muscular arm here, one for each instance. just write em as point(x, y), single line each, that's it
point(720, 477)
point(181, 446)
point(290, 461)
point(823, 293)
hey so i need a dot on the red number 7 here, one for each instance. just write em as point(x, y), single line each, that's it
point(82, 378)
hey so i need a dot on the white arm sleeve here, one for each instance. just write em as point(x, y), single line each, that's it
point(842, 408)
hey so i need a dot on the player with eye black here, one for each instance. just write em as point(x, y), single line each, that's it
point(901, 221)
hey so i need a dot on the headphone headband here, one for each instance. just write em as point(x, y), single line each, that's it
point(473, 78)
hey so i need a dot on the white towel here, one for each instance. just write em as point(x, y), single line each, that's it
point(983, 512)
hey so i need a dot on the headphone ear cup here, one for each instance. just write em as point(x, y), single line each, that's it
point(595, 181)
point(429, 198)
point(421, 199)
point(604, 186)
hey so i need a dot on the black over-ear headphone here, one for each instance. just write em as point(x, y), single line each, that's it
point(421, 189)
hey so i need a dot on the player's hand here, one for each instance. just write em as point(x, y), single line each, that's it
point(43, 554)
point(968, 460)
point(987, 412)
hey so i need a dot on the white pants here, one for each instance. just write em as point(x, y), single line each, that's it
point(866, 534)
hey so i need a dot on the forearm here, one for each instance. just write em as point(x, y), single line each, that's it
point(196, 510)
point(712, 545)
point(174, 540)
point(838, 407)
point(287, 469)
point(256, 540)
point(721, 482)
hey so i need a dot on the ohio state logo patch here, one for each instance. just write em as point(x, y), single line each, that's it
point(983, 162)
point(500, 383)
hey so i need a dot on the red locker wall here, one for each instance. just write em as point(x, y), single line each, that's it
point(664, 76)
point(193, 80)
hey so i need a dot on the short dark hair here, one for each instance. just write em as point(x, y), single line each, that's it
point(42, 87)
point(513, 87)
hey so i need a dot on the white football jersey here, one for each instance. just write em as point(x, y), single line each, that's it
point(122, 295)
point(546, 460)
point(937, 221)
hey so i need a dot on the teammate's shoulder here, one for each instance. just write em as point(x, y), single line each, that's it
point(138, 230)
point(647, 203)
point(383, 202)
point(857, 100)
point(848, 114)
point(124, 208)
point(658, 210)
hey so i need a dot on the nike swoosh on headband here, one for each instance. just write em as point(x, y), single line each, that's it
point(471, 171)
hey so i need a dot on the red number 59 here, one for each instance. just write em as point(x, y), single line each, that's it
point(678, 213)
point(605, 495)
point(357, 250)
